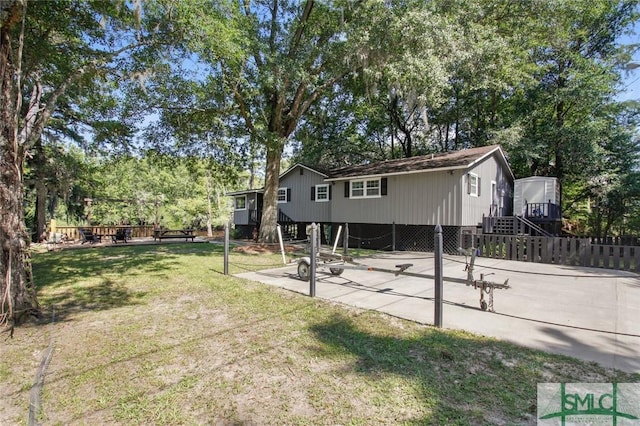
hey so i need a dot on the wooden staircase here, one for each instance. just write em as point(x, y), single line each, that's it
point(288, 226)
point(511, 225)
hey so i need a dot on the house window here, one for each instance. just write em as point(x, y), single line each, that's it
point(365, 188)
point(322, 192)
point(357, 189)
point(474, 185)
point(373, 188)
point(283, 195)
point(241, 202)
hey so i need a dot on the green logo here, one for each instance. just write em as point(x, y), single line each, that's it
point(589, 403)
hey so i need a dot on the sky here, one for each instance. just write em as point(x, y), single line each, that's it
point(631, 79)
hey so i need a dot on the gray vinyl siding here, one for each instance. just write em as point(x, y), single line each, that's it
point(241, 217)
point(301, 208)
point(473, 208)
point(426, 198)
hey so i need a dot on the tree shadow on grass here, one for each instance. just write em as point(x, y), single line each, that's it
point(73, 281)
point(459, 378)
point(106, 294)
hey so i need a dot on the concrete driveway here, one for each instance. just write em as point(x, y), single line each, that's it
point(591, 314)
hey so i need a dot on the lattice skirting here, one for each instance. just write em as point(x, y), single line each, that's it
point(401, 237)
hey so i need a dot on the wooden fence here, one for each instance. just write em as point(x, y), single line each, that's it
point(136, 231)
point(557, 250)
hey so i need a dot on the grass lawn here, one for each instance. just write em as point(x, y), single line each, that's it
point(158, 335)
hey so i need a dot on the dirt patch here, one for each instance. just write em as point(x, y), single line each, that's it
point(258, 248)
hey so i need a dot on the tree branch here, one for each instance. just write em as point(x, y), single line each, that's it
point(243, 110)
point(295, 41)
point(319, 90)
point(274, 27)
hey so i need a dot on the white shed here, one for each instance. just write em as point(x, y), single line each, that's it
point(534, 190)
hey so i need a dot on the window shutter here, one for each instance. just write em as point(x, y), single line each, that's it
point(468, 183)
point(288, 194)
point(346, 189)
point(313, 193)
point(383, 186)
point(330, 185)
point(478, 182)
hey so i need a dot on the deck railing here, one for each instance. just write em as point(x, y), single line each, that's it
point(542, 211)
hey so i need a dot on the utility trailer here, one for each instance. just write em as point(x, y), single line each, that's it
point(337, 263)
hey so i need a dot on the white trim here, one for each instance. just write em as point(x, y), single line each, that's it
point(504, 159)
point(365, 188)
point(321, 185)
point(278, 195)
point(246, 192)
point(304, 167)
point(494, 192)
point(439, 169)
point(235, 206)
point(477, 185)
point(381, 175)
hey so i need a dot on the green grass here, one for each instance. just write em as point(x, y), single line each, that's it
point(158, 335)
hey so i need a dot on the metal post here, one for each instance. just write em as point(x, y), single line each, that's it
point(226, 249)
point(312, 268)
point(438, 278)
point(393, 236)
point(335, 244)
point(284, 258)
point(345, 245)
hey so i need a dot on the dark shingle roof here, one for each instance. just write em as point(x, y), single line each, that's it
point(445, 160)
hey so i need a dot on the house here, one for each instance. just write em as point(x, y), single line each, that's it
point(536, 209)
point(303, 197)
point(392, 204)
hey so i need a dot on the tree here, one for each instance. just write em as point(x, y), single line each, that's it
point(18, 294)
point(573, 59)
point(49, 51)
point(264, 64)
point(450, 66)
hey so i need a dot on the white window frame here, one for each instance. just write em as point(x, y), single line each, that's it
point(235, 202)
point(474, 183)
point(326, 193)
point(366, 188)
point(285, 195)
point(494, 193)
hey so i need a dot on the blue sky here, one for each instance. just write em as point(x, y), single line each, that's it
point(631, 79)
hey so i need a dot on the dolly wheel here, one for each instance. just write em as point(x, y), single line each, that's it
point(483, 305)
point(336, 271)
point(304, 271)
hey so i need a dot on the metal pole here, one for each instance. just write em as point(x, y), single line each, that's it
point(393, 236)
point(335, 244)
point(226, 249)
point(437, 320)
point(312, 268)
point(284, 259)
point(345, 245)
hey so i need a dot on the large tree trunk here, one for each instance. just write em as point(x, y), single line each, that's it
point(268, 230)
point(17, 295)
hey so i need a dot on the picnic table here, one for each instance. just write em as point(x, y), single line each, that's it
point(122, 234)
point(87, 236)
point(161, 234)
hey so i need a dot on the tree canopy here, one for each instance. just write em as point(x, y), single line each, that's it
point(231, 86)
